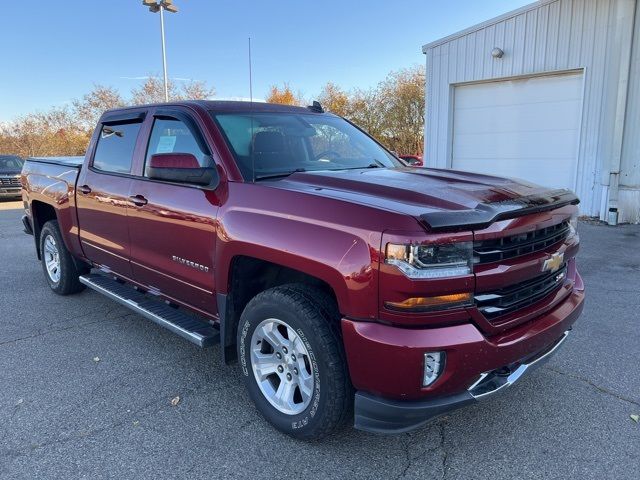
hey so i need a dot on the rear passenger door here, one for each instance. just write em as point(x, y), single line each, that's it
point(103, 190)
point(173, 227)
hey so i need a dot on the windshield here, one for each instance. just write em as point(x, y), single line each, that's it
point(279, 144)
point(10, 163)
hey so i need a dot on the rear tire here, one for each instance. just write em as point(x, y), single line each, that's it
point(288, 337)
point(59, 268)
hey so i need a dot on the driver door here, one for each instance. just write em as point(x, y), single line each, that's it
point(173, 226)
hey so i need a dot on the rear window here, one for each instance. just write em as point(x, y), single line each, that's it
point(114, 152)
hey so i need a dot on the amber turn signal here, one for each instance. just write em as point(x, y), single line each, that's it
point(422, 304)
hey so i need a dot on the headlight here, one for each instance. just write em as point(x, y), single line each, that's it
point(431, 261)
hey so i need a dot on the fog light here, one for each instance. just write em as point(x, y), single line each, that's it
point(433, 367)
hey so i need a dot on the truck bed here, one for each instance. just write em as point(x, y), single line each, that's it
point(75, 162)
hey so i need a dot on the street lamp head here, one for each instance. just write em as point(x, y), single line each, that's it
point(155, 5)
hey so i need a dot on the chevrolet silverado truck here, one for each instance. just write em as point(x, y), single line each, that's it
point(347, 286)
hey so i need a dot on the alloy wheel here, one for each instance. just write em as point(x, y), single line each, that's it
point(282, 367)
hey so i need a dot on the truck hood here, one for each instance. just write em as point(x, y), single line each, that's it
point(443, 200)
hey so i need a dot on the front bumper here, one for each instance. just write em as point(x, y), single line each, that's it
point(386, 364)
point(376, 414)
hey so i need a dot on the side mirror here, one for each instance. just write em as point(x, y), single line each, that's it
point(182, 168)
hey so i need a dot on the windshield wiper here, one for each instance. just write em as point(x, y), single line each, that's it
point(279, 175)
point(371, 165)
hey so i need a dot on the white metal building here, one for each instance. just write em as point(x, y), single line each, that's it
point(549, 93)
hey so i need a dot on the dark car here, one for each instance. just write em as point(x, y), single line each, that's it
point(10, 168)
point(338, 278)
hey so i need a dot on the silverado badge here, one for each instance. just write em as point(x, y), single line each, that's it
point(553, 263)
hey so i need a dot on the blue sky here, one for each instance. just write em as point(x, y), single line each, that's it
point(52, 55)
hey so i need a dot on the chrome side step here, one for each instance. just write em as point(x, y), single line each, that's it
point(196, 331)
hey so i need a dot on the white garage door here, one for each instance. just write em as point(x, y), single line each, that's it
point(525, 128)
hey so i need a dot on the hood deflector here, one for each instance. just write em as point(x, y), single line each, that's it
point(487, 213)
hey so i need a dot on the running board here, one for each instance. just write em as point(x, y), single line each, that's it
point(196, 331)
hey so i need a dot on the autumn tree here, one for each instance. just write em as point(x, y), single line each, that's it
point(67, 130)
point(284, 96)
point(403, 105)
point(392, 112)
point(50, 133)
point(335, 100)
point(152, 91)
point(90, 107)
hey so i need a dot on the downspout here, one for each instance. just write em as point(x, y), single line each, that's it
point(625, 10)
point(427, 105)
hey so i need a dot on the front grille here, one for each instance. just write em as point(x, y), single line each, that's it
point(10, 181)
point(498, 303)
point(497, 249)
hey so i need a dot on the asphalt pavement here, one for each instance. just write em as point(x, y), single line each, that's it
point(86, 390)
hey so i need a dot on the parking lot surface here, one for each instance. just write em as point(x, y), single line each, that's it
point(86, 389)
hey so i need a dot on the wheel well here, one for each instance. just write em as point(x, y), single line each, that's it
point(41, 213)
point(248, 277)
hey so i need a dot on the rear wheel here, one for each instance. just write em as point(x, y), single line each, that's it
point(293, 361)
point(59, 268)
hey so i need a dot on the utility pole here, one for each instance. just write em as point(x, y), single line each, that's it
point(155, 7)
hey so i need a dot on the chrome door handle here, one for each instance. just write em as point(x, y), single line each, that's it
point(138, 200)
point(85, 189)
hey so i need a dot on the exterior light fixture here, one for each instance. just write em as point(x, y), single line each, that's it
point(155, 7)
point(497, 52)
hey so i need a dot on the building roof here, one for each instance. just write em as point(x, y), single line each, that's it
point(485, 24)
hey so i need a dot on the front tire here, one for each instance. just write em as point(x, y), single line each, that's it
point(293, 361)
point(59, 268)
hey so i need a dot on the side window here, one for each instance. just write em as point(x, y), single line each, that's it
point(114, 152)
point(173, 136)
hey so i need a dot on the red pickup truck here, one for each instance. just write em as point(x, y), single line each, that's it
point(345, 284)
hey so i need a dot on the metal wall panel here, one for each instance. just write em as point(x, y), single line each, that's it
point(547, 36)
point(630, 165)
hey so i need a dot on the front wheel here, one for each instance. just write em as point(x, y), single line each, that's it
point(293, 361)
point(59, 268)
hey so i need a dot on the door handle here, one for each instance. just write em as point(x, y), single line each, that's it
point(138, 200)
point(85, 189)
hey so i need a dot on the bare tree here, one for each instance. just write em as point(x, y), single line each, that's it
point(89, 108)
point(196, 90)
point(152, 91)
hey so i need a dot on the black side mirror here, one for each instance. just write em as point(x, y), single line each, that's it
point(182, 168)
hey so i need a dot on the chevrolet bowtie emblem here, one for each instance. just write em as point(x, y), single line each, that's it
point(553, 263)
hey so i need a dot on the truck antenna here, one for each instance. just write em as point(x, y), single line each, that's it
point(250, 77)
point(253, 157)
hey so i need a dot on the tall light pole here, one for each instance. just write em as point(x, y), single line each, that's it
point(160, 6)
